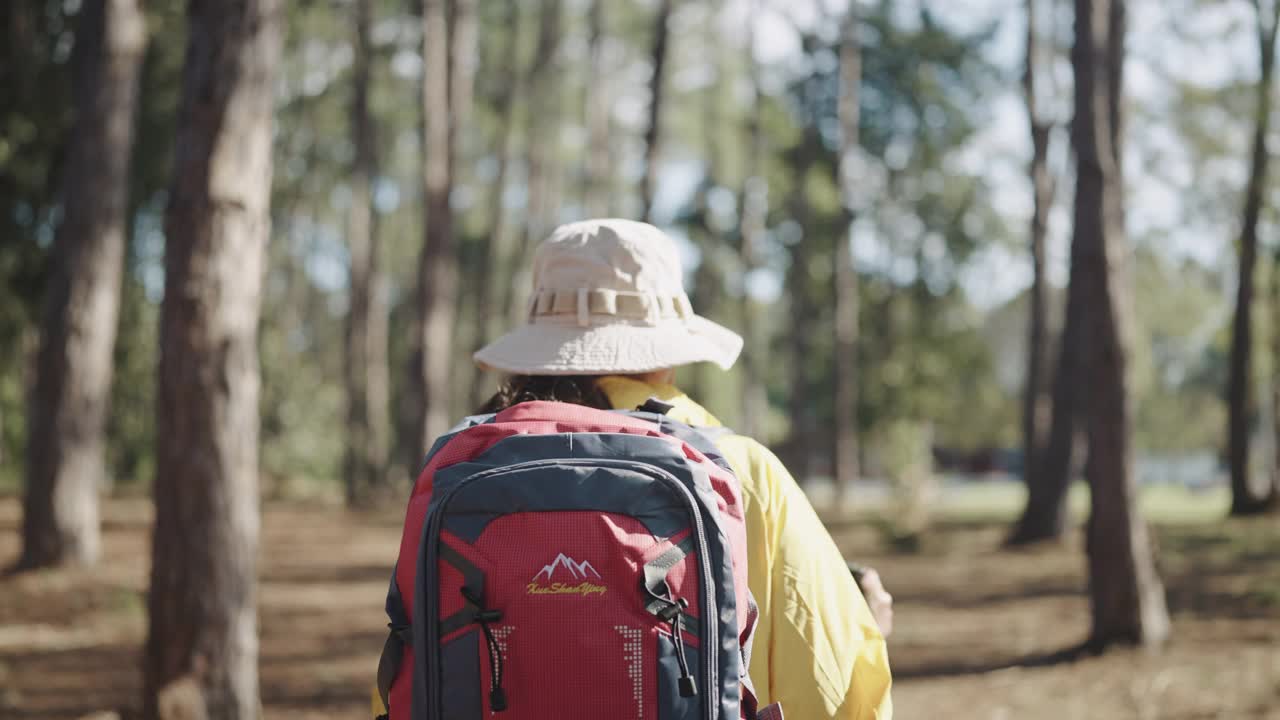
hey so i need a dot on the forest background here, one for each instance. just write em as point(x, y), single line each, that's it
point(887, 199)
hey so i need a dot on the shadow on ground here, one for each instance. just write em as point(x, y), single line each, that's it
point(980, 633)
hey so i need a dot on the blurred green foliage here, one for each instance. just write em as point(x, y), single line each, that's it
point(932, 361)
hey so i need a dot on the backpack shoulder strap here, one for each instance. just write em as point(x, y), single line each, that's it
point(399, 636)
point(696, 437)
point(717, 433)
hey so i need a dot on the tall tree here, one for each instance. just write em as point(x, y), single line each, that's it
point(845, 276)
point(804, 309)
point(653, 131)
point(464, 37)
point(1127, 598)
point(1044, 517)
point(203, 630)
point(1245, 499)
point(366, 338)
point(463, 60)
point(1046, 470)
point(543, 142)
point(1042, 190)
point(1273, 491)
point(447, 79)
point(598, 179)
point(753, 204)
point(709, 286)
point(68, 405)
point(499, 244)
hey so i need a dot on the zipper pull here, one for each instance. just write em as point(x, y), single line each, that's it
point(483, 616)
point(688, 688)
point(497, 699)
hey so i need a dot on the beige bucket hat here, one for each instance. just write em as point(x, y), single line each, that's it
point(608, 298)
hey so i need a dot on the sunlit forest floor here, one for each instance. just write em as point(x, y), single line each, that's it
point(978, 632)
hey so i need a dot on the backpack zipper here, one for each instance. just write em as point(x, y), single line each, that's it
point(709, 638)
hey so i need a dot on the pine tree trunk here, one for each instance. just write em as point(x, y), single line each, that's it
point(597, 187)
point(499, 243)
point(1044, 518)
point(447, 81)
point(366, 341)
point(1273, 490)
point(438, 265)
point(1126, 595)
point(1034, 399)
point(203, 596)
point(461, 373)
point(464, 37)
point(1245, 499)
point(803, 309)
point(544, 148)
point(1046, 470)
point(845, 276)
point(68, 406)
point(754, 203)
point(709, 278)
point(653, 133)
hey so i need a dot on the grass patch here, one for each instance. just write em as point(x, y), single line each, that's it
point(127, 602)
point(995, 502)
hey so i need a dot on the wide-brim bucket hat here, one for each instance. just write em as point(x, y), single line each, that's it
point(608, 298)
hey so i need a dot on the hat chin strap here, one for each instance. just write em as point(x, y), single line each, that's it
point(585, 302)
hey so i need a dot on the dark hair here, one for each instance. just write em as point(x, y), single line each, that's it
point(576, 389)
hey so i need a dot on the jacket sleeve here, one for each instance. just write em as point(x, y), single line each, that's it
point(822, 652)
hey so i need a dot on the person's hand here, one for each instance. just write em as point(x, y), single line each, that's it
point(878, 599)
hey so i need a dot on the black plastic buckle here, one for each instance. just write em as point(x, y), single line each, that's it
point(656, 406)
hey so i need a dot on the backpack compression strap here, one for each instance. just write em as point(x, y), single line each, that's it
point(773, 712)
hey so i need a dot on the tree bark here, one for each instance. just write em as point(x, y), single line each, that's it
point(499, 243)
point(203, 596)
point(1245, 499)
point(463, 61)
point(68, 406)
point(1034, 396)
point(709, 277)
point(1046, 470)
point(447, 79)
point(753, 204)
point(653, 133)
point(598, 182)
point(464, 34)
point(366, 340)
point(1044, 518)
point(1274, 490)
point(803, 310)
point(544, 149)
point(845, 276)
point(1126, 595)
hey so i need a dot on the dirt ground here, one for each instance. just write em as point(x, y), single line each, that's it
point(978, 635)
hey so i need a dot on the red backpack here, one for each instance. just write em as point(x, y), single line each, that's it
point(564, 562)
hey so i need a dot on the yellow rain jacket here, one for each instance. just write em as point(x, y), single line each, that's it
point(817, 649)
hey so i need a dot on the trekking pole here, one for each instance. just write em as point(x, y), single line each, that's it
point(858, 571)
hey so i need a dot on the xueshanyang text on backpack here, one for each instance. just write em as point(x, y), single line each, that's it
point(564, 562)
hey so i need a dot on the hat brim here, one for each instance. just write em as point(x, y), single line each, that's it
point(555, 348)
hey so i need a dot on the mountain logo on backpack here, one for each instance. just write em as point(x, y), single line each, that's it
point(565, 576)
